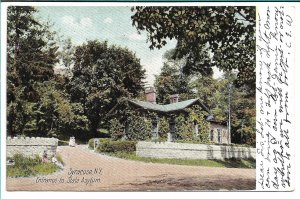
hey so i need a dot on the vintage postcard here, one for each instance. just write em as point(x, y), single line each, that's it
point(136, 97)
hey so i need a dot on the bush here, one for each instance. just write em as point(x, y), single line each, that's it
point(116, 129)
point(116, 146)
point(102, 140)
point(139, 128)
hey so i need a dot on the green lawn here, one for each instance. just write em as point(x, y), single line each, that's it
point(230, 163)
point(25, 166)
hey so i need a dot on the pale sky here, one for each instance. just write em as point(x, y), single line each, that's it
point(106, 23)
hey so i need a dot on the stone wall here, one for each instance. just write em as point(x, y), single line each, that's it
point(31, 146)
point(192, 151)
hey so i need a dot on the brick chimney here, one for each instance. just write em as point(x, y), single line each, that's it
point(150, 93)
point(174, 98)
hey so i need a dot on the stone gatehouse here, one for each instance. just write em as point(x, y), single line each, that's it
point(218, 132)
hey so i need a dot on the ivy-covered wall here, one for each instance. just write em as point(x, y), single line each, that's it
point(185, 125)
point(139, 125)
point(136, 126)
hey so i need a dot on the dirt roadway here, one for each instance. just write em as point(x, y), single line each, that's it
point(104, 173)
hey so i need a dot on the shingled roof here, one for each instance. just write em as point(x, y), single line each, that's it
point(168, 108)
point(178, 106)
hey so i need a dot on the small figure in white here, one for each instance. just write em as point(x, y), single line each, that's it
point(45, 156)
point(96, 143)
point(72, 141)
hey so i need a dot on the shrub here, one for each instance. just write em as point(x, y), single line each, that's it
point(139, 128)
point(102, 140)
point(116, 129)
point(116, 146)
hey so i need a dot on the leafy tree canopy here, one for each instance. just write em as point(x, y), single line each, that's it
point(31, 55)
point(31, 51)
point(214, 93)
point(206, 36)
point(171, 80)
point(102, 75)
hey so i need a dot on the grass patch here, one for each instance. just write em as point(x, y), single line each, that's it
point(25, 166)
point(229, 163)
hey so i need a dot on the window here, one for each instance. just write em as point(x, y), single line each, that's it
point(154, 129)
point(211, 135)
point(196, 130)
point(219, 135)
point(225, 135)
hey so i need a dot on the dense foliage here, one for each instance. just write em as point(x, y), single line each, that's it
point(135, 127)
point(206, 36)
point(185, 125)
point(99, 76)
point(163, 129)
point(31, 55)
point(214, 93)
point(53, 115)
point(139, 126)
point(171, 80)
point(41, 103)
point(102, 75)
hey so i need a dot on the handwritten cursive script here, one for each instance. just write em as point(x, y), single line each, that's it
point(275, 62)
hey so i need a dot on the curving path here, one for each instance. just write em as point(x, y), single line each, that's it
point(125, 175)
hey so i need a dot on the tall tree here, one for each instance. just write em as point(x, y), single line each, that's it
point(31, 55)
point(215, 94)
point(66, 56)
point(243, 116)
point(206, 36)
point(211, 92)
point(102, 75)
point(32, 51)
point(171, 80)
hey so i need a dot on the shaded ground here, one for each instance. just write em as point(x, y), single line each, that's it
point(125, 175)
